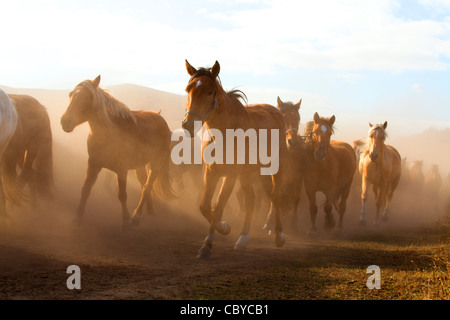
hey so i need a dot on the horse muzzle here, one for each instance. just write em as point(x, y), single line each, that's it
point(67, 124)
point(319, 155)
point(291, 143)
point(188, 125)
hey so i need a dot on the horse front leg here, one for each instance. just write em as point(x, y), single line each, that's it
point(364, 194)
point(91, 176)
point(122, 195)
point(330, 222)
point(380, 202)
point(275, 204)
point(210, 181)
point(249, 201)
point(311, 194)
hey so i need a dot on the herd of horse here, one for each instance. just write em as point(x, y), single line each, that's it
point(121, 140)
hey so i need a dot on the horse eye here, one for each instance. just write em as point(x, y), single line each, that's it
point(210, 93)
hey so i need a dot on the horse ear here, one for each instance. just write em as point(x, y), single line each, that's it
point(332, 120)
point(190, 69)
point(279, 103)
point(96, 82)
point(298, 104)
point(370, 125)
point(215, 69)
point(385, 125)
point(316, 117)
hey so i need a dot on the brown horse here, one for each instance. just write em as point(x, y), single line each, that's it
point(433, 183)
point(294, 163)
point(380, 166)
point(219, 110)
point(9, 184)
point(31, 147)
point(416, 177)
point(120, 140)
point(329, 168)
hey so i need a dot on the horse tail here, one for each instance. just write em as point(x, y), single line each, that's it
point(12, 186)
point(44, 166)
point(163, 182)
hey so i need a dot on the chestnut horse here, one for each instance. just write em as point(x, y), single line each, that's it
point(380, 166)
point(294, 163)
point(209, 103)
point(31, 147)
point(120, 140)
point(9, 185)
point(329, 168)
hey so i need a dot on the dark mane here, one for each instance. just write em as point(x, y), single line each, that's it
point(237, 95)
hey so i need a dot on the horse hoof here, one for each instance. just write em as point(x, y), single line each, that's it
point(223, 228)
point(204, 253)
point(242, 242)
point(280, 240)
point(126, 226)
point(134, 222)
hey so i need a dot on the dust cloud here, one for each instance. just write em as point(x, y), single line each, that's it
point(46, 228)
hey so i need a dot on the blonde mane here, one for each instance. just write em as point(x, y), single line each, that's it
point(365, 147)
point(108, 108)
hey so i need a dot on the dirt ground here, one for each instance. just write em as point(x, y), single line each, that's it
point(157, 260)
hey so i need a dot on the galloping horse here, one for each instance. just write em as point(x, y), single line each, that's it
point(209, 103)
point(10, 188)
point(120, 140)
point(294, 163)
point(380, 166)
point(329, 168)
point(31, 147)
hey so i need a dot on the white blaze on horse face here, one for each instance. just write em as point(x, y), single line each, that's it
point(323, 128)
point(198, 83)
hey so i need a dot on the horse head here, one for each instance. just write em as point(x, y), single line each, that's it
point(80, 105)
point(201, 99)
point(377, 136)
point(291, 118)
point(321, 135)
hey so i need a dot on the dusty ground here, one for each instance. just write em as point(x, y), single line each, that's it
point(158, 260)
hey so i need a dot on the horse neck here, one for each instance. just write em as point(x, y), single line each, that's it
point(229, 113)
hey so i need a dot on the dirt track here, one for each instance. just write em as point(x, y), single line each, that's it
point(158, 260)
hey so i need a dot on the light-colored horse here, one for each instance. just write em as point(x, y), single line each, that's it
point(9, 187)
point(120, 140)
point(380, 166)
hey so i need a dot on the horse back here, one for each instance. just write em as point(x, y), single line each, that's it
point(345, 156)
point(396, 162)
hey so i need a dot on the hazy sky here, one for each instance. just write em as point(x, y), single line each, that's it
point(364, 60)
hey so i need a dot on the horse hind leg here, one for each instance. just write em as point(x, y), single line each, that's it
point(141, 174)
point(145, 198)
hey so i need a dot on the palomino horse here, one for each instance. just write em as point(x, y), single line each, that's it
point(9, 185)
point(329, 168)
point(31, 147)
point(120, 140)
point(380, 166)
point(209, 103)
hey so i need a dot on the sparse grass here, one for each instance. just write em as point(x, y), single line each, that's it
point(413, 267)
